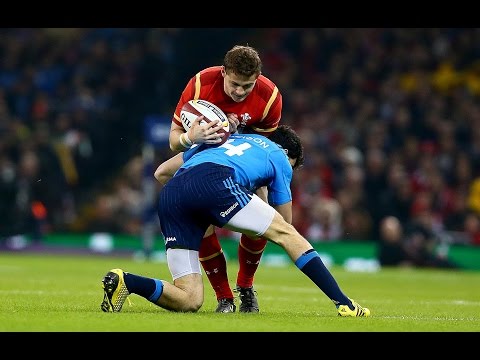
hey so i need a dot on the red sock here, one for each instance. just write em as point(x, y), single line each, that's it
point(215, 266)
point(249, 253)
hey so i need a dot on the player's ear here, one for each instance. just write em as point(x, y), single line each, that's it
point(223, 71)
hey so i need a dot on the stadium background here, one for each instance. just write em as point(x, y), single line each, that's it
point(390, 121)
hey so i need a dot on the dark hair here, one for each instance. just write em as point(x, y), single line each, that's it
point(288, 139)
point(243, 61)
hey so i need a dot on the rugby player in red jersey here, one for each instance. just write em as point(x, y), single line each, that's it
point(252, 103)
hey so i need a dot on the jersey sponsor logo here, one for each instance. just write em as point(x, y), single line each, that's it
point(229, 210)
point(170, 238)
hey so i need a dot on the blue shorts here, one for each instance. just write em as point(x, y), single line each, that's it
point(195, 198)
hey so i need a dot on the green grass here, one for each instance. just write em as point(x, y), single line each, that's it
point(59, 293)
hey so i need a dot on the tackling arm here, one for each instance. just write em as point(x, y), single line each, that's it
point(167, 169)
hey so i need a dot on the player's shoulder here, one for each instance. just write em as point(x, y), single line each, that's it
point(212, 71)
point(207, 77)
point(265, 83)
point(267, 90)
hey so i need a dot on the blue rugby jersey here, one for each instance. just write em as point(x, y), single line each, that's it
point(256, 160)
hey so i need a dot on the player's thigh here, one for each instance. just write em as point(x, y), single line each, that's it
point(253, 219)
point(284, 234)
point(183, 262)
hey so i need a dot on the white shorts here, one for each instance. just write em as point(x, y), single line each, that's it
point(183, 262)
point(253, 219)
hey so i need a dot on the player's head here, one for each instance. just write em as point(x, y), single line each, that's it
point(288, 139)
point(241, 68)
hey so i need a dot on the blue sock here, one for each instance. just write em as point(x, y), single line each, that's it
point(312, 265)
point(149, 288)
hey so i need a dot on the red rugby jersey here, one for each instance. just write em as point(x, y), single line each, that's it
point(261, 110)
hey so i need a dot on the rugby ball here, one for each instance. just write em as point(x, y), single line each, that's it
point(194, 108)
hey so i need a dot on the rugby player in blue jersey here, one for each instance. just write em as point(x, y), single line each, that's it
point(213, 185)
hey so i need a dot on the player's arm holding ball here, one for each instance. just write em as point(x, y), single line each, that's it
point(197, 134)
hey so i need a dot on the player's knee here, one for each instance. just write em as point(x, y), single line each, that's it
point(193, 304)
point(280, 232)
point(194, 307)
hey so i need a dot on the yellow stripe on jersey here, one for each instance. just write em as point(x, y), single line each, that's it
point(262, 130)
point(270, 102)
point(198, 85)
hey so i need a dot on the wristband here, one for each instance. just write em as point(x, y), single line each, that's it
point(185, 141)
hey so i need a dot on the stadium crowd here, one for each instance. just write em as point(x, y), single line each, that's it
point(390, 121)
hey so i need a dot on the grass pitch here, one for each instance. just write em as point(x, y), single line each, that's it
point(62, 293)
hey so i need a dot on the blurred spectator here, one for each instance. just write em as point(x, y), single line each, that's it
point(391, 248)
point(325, 221)
point(474, 195)
point(471, 228)
point(415, 246)
point(22, 190)
point(425, 240)
point(102, 216)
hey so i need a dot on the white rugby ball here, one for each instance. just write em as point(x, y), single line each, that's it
point(194, 108)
